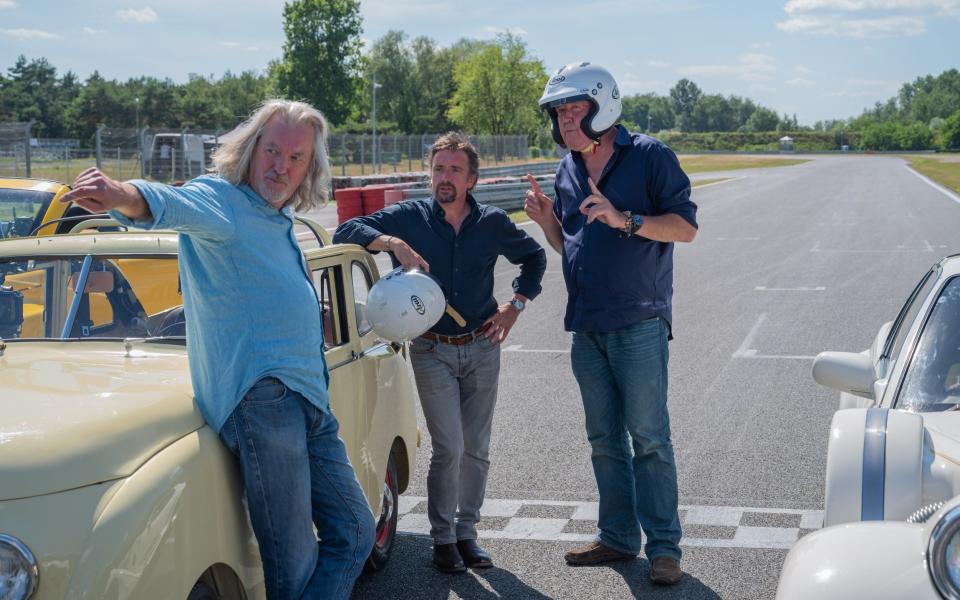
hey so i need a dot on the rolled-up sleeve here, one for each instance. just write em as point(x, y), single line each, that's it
point(520, 249)
point(200, 208)
point(363, 230)
point(671, 186)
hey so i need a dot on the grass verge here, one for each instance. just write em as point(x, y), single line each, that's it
point(942, 168)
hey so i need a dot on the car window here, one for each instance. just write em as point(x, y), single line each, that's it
point(329, 284)
point(120, 297)
point(932, 380)
point(361, 289)
point(908, 313)
point(21, 211)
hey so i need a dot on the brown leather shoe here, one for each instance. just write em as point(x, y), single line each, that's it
point(594, 553)
point(665, 570)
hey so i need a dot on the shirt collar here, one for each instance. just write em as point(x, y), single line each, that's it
point(262, 205)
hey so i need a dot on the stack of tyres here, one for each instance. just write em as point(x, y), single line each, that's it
point(349, 203)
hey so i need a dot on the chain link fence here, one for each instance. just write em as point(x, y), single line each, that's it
point(171, 155)
point(15, 149)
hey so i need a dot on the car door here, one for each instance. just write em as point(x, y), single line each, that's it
point(342, 347)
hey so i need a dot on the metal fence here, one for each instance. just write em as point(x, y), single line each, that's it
point(180, 154)
point(15, 156)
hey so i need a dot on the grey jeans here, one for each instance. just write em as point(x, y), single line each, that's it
point(458, 390)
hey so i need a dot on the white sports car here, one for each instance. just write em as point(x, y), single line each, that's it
point(892, 506)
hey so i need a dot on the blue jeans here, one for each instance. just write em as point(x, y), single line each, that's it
point(623, 383)
point(296, 474)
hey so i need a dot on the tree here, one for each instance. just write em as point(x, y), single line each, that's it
point(762, 119)
point(97, 102)
point(950, 132)
point(321, 58)
point(497, 89)
point(391, 64)
point(685, 95)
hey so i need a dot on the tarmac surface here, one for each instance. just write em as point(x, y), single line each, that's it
point(789, 262)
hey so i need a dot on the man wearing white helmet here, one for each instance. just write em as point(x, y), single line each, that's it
point(622, 201)
point(457, 366)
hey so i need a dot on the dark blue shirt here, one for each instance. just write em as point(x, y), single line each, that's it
point(614, 281)
point(462, 262)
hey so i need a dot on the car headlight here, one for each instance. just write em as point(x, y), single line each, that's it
point(943, 554)
point(18, 569)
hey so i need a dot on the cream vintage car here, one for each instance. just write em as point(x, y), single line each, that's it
point(111, 484)
point(892, 502)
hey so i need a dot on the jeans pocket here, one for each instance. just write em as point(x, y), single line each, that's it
point(268, 389)
point(422, 345)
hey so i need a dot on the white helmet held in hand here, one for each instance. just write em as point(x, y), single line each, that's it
point(404, 304)
point(583, 81)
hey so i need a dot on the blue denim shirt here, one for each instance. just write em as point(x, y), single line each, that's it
point(614, 281)
point(462, 262)
point(251, 307)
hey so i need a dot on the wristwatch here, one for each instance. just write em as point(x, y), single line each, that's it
point(518, 304)
point(633, 223)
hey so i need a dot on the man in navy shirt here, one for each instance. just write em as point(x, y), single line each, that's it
point(622, 201)
point(456, 367)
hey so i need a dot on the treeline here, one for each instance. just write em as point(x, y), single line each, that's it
point(485, 87)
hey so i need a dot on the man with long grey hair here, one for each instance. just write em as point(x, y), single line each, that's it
point(256, 340)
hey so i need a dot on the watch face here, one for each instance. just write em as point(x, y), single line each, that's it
point(518, 304)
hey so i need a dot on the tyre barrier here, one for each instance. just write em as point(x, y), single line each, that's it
point(349, 203)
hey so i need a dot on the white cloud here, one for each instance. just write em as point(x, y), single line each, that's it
point(92, 31)
point(230, 44)
point(144, 15)
point(658, 64)
point(800, 81)
point(942, 6)
point(8, 4)
point(856, 28)
point(802, 69)
point(865, 18)
point(761, 45)
point(29, 34)
point(751, 66)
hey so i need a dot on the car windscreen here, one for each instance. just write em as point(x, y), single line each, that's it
point(932, 380)
point(21, 211)
point(81, 297)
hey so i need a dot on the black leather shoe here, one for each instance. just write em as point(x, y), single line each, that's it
point(473, 555)
point(447, 559)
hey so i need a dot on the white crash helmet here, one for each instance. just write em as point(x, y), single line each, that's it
point(403, 305)
point(583, 81)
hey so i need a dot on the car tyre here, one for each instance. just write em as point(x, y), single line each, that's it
point(202, 591)
point(387, 523)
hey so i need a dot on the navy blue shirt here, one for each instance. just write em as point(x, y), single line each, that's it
point(462, 262)
point(614, 281)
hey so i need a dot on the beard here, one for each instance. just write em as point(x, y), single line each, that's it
point(448, 195)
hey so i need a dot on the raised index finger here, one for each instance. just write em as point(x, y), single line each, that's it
point(534, 184)
point(593, 187)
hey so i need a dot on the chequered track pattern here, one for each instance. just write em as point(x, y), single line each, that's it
point(559, 520)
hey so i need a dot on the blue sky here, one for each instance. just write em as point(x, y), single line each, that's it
point(819, 59)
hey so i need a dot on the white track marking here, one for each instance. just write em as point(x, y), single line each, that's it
point(551, 529)
point(934, 185)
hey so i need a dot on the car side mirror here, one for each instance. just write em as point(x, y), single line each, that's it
point(845, 371)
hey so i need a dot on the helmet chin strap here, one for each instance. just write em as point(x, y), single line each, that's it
point(591, 147)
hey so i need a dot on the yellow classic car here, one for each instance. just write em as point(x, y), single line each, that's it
point(32, 207)
point(111, 483)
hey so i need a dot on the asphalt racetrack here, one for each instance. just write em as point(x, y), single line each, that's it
point(789, 261)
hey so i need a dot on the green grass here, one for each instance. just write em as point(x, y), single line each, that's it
point(942, 168)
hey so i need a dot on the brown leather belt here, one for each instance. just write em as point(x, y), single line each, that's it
point(456, 340)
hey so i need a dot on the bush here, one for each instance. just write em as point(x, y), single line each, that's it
point(534, 152)
point(950, 132)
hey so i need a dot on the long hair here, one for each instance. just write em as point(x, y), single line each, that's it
point(232, 160)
